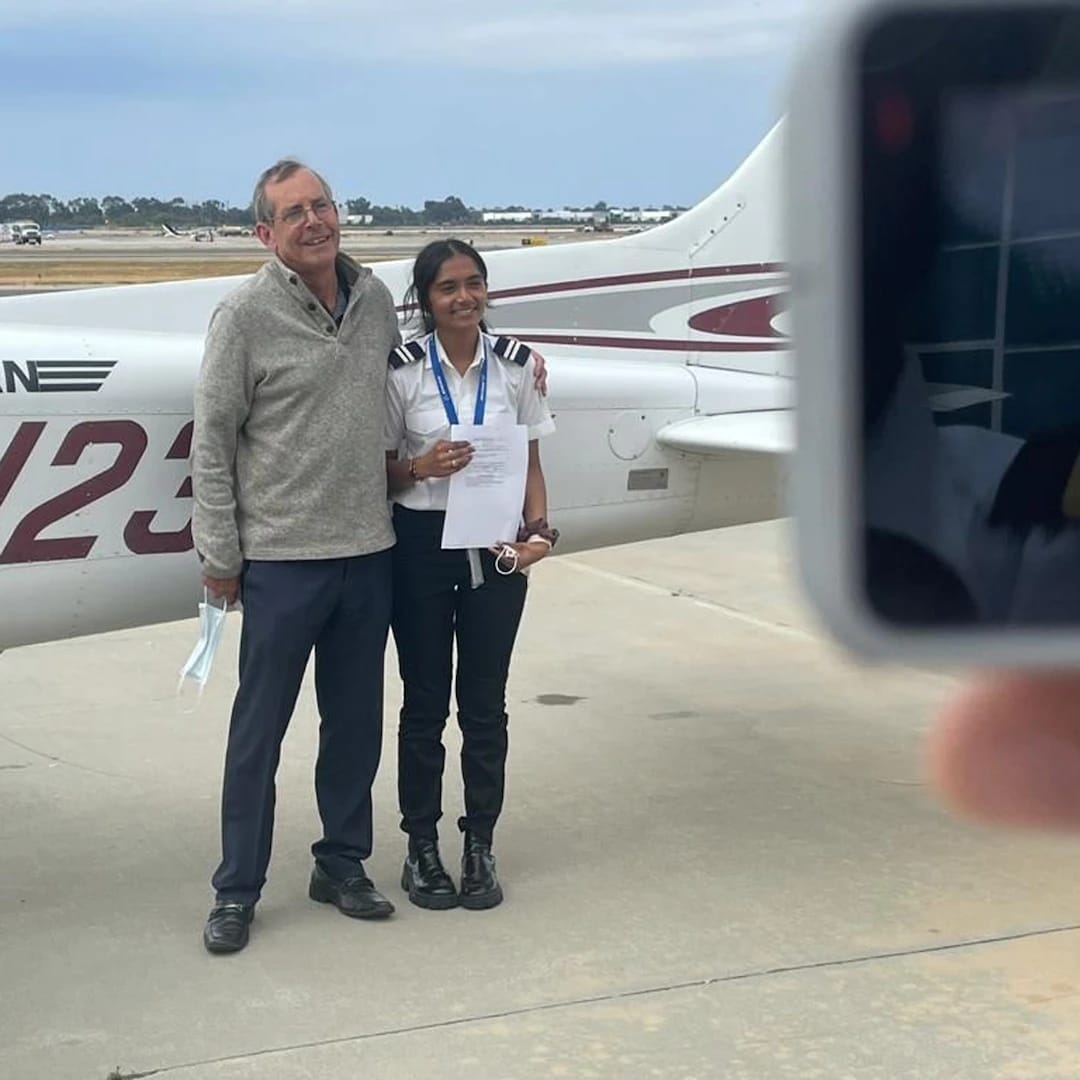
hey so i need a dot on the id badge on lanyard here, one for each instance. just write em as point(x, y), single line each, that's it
point(476, 573)
point(444, 390)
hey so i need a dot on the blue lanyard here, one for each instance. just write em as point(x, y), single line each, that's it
point(444, 390)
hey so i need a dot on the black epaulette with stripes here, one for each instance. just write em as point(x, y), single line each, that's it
point(512, 350)
point(408, 353)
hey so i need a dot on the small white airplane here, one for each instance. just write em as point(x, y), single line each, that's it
point(198, 235)
point(670, 378)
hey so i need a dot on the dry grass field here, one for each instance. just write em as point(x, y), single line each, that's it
point(66, 273)
point(91, 259)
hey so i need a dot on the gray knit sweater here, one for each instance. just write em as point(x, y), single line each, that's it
point(287, 458)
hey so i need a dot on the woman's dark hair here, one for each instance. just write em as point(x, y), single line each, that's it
point(908, 584)
point(426, 270)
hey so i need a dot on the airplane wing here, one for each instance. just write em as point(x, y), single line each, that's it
point(772, 431)
point(767, 431)
point(945, 397)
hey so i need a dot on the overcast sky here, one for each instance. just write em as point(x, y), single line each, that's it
point(549, 103)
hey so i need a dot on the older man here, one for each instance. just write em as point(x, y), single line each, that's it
point(291, 513)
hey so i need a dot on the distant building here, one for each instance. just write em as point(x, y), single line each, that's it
point(507, 217)
point(643, 217)
point(598, 219)
point(572, 217)
point(359, 219)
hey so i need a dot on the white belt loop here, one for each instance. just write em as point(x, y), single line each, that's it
point(476, 571)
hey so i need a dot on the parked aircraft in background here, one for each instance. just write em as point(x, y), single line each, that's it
point(197, 235)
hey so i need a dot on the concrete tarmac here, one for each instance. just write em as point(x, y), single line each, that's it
point(364, 243)
point(719, 859)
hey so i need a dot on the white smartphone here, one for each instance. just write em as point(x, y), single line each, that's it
point(933, 221)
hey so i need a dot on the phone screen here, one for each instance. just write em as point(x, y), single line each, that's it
point(970, 318)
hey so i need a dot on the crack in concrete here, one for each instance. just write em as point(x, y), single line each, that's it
point(684, 594)
point(786, 629)
point(54, 759)
point(601, 999)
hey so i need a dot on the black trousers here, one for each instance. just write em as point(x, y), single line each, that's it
point(434, 607)
point(341, 608)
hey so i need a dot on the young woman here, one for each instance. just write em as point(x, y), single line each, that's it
point(472, 600)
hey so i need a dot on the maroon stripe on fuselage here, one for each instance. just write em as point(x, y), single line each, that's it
point(661, 344)
point(638, 279)
point(743, 318)
point(756, 318)
point(688, 273)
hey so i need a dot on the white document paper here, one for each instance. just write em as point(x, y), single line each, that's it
point(485, 499)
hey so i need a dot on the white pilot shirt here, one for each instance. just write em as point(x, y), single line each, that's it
point(936, 485)
point(416, 419)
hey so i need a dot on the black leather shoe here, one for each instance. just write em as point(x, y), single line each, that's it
point(356, 896)
point(425, 878)
point(480, 887)
point(226, 929)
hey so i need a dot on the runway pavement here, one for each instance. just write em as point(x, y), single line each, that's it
point(718, 855)
point(95, 245)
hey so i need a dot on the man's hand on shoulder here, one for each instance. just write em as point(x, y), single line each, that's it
point(227, 589)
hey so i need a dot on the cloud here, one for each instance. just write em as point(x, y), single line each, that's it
point(588, 36)
point(583, 99)
point(517, 34)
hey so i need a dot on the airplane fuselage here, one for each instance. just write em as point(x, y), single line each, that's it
point(640, 334)
point(95, 489)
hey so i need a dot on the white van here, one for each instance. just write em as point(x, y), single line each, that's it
point(25, 232)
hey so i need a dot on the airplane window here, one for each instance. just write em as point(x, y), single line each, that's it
point(959, 300)
point(1044, 277)
point(1043, 391)
point(1005, 277)
point(1047, 157)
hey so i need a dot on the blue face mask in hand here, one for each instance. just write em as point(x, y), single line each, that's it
point(201, 660)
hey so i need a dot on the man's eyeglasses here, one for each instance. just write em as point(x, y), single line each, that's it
point(323, 209)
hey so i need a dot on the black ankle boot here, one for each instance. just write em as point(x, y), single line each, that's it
point(425, 878)
point(480, 887)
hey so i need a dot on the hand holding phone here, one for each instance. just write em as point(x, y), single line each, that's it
point(933, 216)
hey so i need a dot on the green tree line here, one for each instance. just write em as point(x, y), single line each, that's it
point(448, 211)
point(88, 212)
